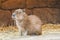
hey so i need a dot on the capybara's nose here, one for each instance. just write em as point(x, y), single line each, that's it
point(13, 16)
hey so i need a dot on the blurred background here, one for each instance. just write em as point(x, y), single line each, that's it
point(47, 10)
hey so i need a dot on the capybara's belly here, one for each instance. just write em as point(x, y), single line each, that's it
point(35, 25)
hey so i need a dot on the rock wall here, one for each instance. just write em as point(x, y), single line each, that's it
point(47, 10)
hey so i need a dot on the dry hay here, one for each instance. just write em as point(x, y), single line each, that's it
point(50, 28)
point(9, 28)
point(46, 28)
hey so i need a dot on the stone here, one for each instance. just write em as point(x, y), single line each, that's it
point(13, 4)
point(5, 18)
point(48, 15)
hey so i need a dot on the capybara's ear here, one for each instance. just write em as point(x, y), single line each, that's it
point(23, 10)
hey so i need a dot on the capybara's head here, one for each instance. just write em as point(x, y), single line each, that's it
point(18, 14)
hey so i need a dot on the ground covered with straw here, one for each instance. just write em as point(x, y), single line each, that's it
point(48, 31)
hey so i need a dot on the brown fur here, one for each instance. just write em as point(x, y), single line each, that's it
point(31, 24)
